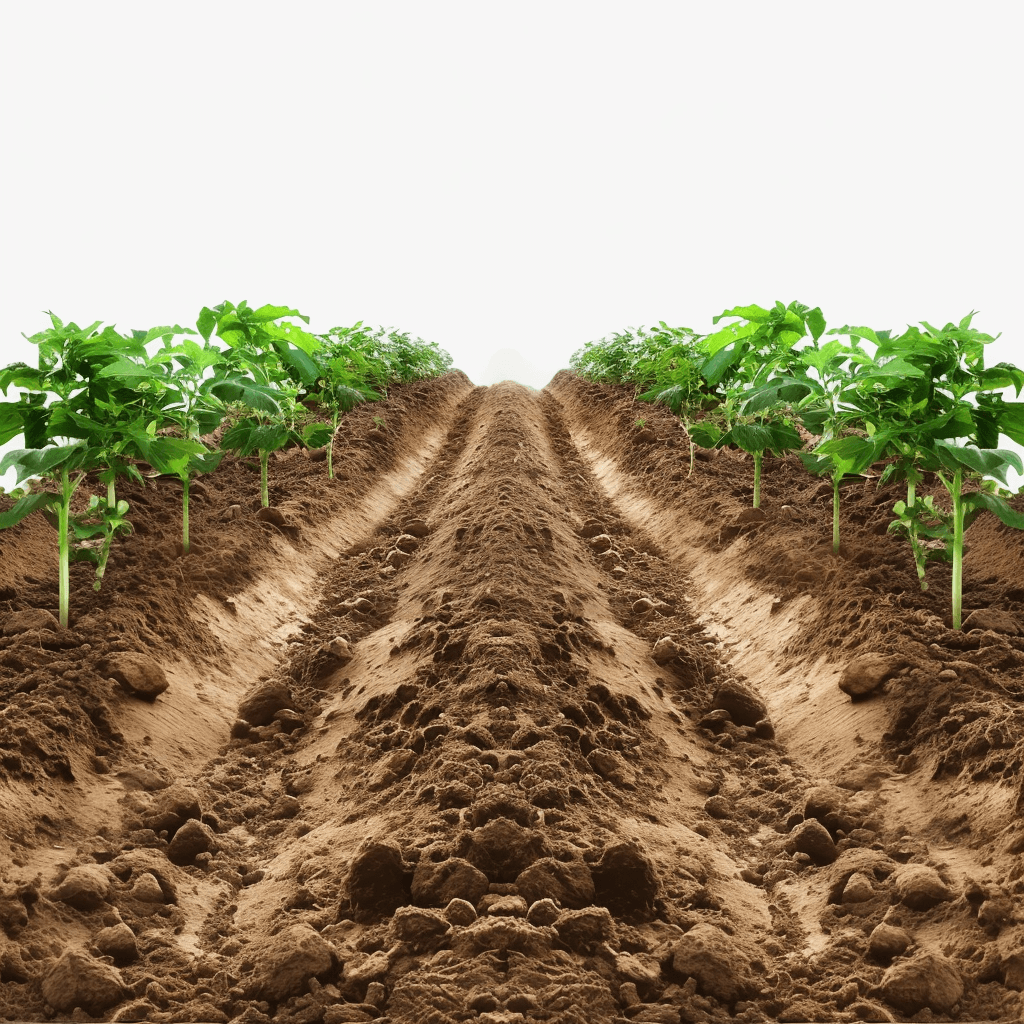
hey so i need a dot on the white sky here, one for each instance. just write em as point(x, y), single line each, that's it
point(526, 176)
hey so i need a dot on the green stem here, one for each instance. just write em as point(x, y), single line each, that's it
point(264, 466)
point(835, 515)
point(330, 447)
point(959, 512)
point(64, 559)
point(758, 456)
point(184, 514)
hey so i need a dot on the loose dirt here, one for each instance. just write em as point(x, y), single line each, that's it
point(518, 719)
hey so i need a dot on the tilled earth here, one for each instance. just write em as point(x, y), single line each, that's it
point(518, 719)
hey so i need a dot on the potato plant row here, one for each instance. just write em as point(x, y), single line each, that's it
point(921, 401)
point(100, 401)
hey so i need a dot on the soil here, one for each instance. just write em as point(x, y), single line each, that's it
point(517, 719)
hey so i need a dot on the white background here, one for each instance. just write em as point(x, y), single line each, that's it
point(496, 176)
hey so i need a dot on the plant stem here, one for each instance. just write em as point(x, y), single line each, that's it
point(264, 490)
point(111, 494)
point(835, 515)
point(184, 514)
point(330, 447)
point(64, 559)
point(758, 456)
point(959, 512)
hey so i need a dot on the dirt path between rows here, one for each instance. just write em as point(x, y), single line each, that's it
point(519, 721)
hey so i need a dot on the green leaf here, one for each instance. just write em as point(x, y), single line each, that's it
point(266, 314)
point(36, 462)
point(714, 369)
point(777, 391)
point(206, 322)
point(761, 437)
point(130, 370)
point(852, 454)
point(816, 322)
point(987, 462)
point(705, 434)
point(997, 506)
point(753, 313)
point(248, 436)
point(26, 506)
point(1010, 417)
point(316, 435)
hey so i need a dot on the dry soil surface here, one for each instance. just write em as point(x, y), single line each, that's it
point(518, 719)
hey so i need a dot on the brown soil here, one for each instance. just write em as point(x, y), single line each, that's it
point(517, 720)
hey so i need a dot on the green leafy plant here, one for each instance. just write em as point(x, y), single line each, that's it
point(66, 466)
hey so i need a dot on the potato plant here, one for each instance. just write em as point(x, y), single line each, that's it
point(921, 401)
point(100, 402)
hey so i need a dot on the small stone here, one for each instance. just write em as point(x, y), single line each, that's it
point(78, 980)
point(437, 884)
point(718, 807)
point(424, 930)
point(993, 619)
point(397, 558)
point(407, 543)
point(643, 969)
point(286, 961)
point(263, 700)
point(543, 912)
point(86, 887)
point(146, 889)
point(858, 889)
point(926, 980)
point(192, 839)
point(810, 837)
point(994, 913)
point(751, 517)
point(625, 881)
point(137, 674)
point(271, 515)
point(601, 542)
point(117, 942)
point(720, 964)
point(460, 912)
point(172, 807)
point(416, 528)
point(948, 675)
point(378, 882)
point(584, 930)
point(744, 706)
point(920, 887)
point(865, 673)
point(568, 882)
point(887, 941)
point(508, 906)
point(665, 650)
point(29, 619)
point(609, 765)
point(340, 649)
point(366, 967)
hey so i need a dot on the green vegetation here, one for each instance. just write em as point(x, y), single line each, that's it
point(100, 402)
point(918, 402)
